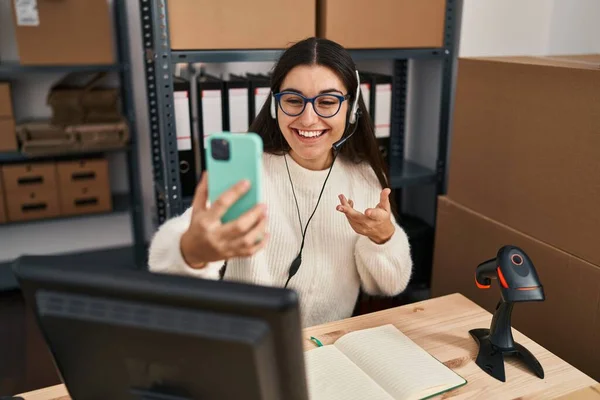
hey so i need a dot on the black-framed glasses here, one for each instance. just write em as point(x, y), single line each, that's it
point(325, 105)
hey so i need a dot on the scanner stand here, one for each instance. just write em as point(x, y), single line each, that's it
point(497, 342)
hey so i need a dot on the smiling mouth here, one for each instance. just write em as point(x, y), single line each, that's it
point(313, 134)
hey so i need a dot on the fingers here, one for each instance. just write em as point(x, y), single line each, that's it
point(384, 199)
point(244, 223)
point(376, 214)
point(228, 198)
point(347, 207)
point(201, 194)
point(256, 248)
point(343, 200)
point(245, 245)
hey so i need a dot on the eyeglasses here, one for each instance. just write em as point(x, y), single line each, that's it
point(325, 105)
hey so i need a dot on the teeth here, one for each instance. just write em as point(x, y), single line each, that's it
point(310, 133)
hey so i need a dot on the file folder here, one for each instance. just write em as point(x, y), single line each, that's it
point(381, 102)
point(211, 110)
point(380, 107)
point(365, 92)
point(237, 100)
point(186, 150)
point(260, 85)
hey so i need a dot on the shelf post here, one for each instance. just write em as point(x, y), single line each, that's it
point(128, 109)
point(159, 86)
point(398, 129)
point(451, 44)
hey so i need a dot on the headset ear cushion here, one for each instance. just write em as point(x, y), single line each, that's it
point(354, 112)
point(273, 109)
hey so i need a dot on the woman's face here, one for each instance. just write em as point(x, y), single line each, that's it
point(310, 136)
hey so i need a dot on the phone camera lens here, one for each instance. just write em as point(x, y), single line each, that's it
point(220, 149)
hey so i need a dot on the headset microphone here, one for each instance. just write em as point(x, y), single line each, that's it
point(355, 114)
point(336, 146)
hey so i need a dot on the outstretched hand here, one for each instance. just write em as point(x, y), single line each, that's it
point(375, 223)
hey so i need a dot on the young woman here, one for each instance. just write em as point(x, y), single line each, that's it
point(326, 228)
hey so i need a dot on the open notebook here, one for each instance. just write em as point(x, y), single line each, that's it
point(376, 364)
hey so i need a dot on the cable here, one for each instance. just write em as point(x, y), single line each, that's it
point(295, 266)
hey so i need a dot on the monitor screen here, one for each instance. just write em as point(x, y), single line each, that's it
point(117, 334)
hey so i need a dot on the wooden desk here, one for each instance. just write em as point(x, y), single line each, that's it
point(441, 326)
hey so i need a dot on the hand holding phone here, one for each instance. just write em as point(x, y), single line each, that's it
point(234, 224)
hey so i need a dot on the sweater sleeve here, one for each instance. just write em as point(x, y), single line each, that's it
point(384, 269)
point(165, 251)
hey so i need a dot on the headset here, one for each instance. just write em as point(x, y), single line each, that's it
point(353, 118)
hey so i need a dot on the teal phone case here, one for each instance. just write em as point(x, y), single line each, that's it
point(245, 162)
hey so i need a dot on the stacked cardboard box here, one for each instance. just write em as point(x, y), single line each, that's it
point(42, 190)
point(524, 170)
point(31, 191)
point(84, 187)
point(237, 24)
point(2, 205)
point(389, 23)
point(64, 32)
point(8, 138)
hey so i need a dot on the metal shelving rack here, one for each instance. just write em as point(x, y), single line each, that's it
point(132, 202)
point(160, 61)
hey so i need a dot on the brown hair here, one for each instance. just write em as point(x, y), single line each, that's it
point(362, 146)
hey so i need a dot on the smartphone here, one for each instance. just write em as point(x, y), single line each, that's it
point(230, 158)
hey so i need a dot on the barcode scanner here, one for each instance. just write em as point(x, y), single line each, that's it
point(516, 275)
point(519, 282)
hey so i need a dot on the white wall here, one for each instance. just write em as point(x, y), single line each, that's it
point(505, 27)
point(574, 27)
point(531, 27)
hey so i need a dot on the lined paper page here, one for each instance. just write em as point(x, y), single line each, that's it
point(396, 363)
point(332, 376)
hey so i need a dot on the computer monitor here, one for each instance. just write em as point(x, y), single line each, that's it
point(121, 334)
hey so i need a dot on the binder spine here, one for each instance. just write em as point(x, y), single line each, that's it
point(185, 144)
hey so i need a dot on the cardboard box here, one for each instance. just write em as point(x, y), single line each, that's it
point(526, 145)
point(6, 107)
point(587, 58)
point(239, 24)
point(567, 323)
point(8, 135)
point(84, 186)
point(2, 201)
point(64, 32)
point(382, 23)
point(87, 200)
point(25, 178)
point(75, 175)
point(2, 209)
point(31, 205)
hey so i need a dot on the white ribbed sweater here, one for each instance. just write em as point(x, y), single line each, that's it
point(336, 261)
